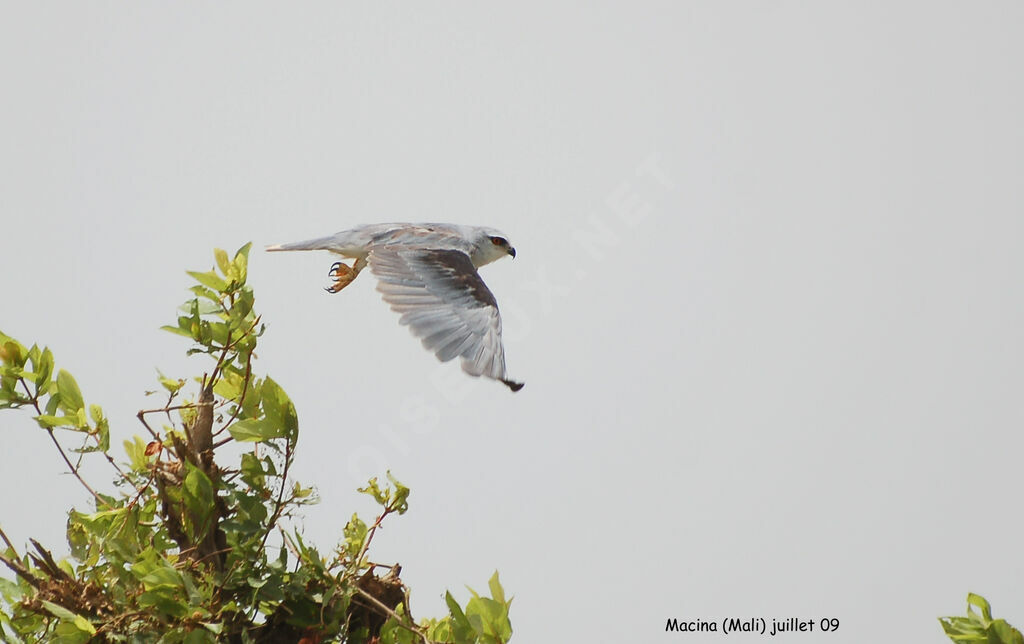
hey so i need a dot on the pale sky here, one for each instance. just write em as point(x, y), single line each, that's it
point(767, 301)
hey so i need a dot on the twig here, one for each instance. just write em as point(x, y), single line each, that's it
point(21, 571)
point(290, 544)
point(241, 399)
point(279, 505)
point(182, 406)
point(221, 442)
point(215, 552)
point(8, 541)
point(49, 430)
point(74, 471)
point(231, 345)
point(35, 403)
point(398, 618)
point(142, 419)
point(369, 536)
point(137, 497)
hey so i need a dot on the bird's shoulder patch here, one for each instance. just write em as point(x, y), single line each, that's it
point(461, 273)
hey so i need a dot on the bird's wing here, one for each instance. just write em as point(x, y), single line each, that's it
point(420, 236)
point(443, 300)
point(356, 240)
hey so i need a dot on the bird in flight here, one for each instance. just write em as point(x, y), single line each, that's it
point(427, 273)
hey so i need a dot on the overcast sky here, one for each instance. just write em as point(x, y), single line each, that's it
point(767, 301)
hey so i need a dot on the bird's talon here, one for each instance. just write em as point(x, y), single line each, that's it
point(342, 274)
point(335, 269)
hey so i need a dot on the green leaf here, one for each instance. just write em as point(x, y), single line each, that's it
point(252, 471)
point(981, 627)
point(102, 435)
point(12, 352)
point(242, 307)
point(177, 330)
point(241, 262)
point(489, 617)
point(199, 636)
point(44, 370)
point(979, 602)
point(462, 630)
point(400, 497)
point(440, 630)
point(166, 601)
point(69, 633)
point(279, 409)
point(228, 386)
point(78, 621)
point(373, 489)
point(170, 384)
point(70, 394)
point(395, 497)
point(1006, 633)
point(136, 451)
point(255, 431)
point(497, 592)
point(205, 293)
point(223, 263)
point(47, 422)
point(209, 279)
point(204, 307)
point(198, 495)
point(213, 627)
point(219, 333)
point(355, 535)
point(165, 577)
point(10, 591)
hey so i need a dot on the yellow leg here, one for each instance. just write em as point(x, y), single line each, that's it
point(342, 274)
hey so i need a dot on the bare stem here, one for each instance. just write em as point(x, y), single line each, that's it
point(142, 419)
point(56, 443)
point(7, 541)
point(369, 536)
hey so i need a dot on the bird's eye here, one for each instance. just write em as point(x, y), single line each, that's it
point(498, 241)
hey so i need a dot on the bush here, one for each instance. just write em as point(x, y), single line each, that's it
point(188, 550)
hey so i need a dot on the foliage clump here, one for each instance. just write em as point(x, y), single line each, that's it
point(979, 626)
point(186, 549)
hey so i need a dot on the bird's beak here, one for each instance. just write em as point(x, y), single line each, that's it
point(512, 252)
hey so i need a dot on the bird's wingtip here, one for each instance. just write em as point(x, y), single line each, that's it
point(513, 385)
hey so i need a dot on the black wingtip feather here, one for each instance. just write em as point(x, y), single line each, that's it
point(514, 386)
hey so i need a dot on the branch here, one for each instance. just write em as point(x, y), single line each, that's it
point(49, 430)
point(8, 542)
point(200, 434)
point(387, 611)
point(56, 443)
point(21, 571)
point(142, 419)
point(369, 537)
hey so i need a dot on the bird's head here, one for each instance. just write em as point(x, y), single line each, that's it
point(490, 245)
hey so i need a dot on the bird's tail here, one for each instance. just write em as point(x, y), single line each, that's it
point(320, 243)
